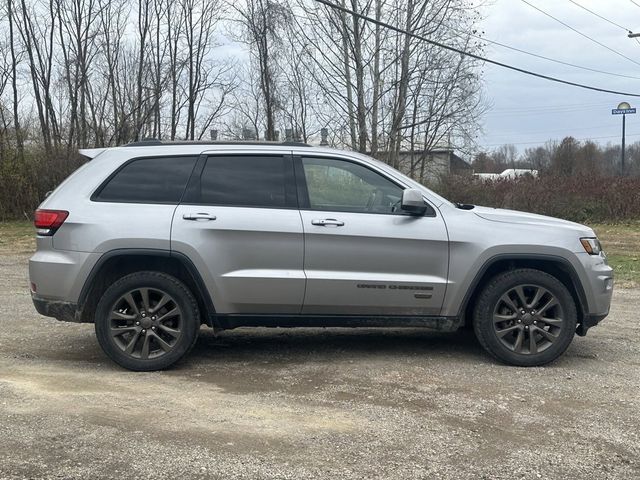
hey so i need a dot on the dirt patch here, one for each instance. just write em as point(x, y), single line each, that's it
point(320, 403)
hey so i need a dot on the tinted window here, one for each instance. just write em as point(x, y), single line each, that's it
point(245, 181)
point(345, 186)
point(149, 180)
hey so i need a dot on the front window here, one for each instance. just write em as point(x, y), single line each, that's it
point(338, 185)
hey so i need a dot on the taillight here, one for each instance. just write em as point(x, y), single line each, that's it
point(48, 221)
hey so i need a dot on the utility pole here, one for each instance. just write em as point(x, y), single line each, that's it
point(624, 118)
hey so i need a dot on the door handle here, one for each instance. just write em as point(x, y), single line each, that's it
point(327, 222)
point(198, 216)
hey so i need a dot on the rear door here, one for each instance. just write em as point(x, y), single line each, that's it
point(239, 223)
point(363, 255)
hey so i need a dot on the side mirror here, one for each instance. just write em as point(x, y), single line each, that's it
point(413, 202)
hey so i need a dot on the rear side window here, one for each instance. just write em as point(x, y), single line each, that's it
point(245, 180)
point(149, 180)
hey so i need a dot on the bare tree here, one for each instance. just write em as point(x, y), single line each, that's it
point(5, 77)
point(14, 78)
point(77, 25)
point(263, 21)
point(112, 18)
point(105, 72)
point(176, 63)
point(201, 18)
point(298, 89)
point(247, 106)
point(38, 40)
point(144, 25)
point(387, 88)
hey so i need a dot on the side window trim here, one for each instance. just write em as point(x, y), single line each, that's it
point(96, 193)
point(301, 183)
point(192, 194)
point(303, 191)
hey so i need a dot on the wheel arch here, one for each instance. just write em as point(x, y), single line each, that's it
point(554, 265)
point(120, 262)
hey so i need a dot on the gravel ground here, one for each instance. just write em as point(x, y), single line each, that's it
point(329, 403)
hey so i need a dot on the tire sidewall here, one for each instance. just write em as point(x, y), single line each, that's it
point(183, 298)
point(483, 318)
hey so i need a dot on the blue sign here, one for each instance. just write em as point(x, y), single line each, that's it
point(622, 111)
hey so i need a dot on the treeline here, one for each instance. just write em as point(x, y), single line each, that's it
point(582, 197)
point(91, 73)
point(577, 180)
point(568, 157)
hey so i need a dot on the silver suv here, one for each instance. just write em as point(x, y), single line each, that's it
point(151, 240)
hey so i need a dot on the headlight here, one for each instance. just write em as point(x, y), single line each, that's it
point(591, 245)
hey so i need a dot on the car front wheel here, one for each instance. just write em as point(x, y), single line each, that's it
point(525, 317)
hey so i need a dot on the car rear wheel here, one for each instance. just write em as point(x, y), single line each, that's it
point(147, 321)
point(525, 317)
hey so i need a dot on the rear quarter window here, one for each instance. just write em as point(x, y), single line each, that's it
point(148, 180)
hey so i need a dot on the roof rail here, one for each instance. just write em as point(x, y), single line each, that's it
point(154, 141)
point(145, 142)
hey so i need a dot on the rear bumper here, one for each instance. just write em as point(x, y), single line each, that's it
point(64, 311)
point(59, 274)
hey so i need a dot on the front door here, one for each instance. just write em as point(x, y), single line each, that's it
point(363, 255)
point(239, 223)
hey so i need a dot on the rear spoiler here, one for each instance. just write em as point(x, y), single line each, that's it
point(90, 153)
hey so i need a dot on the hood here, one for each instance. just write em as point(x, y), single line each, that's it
point(514, 216)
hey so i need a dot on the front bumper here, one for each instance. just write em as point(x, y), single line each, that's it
point(598, 286)
point(589, 321)
point(64, 311)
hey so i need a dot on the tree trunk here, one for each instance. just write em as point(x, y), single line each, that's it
point(14, 82)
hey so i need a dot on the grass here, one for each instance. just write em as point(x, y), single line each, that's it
point(17, 237)
point(620, 241)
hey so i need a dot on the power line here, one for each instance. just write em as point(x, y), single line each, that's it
point(547, 132)
point(545, 112)
point(472, 55)
point(561, 62)
point(551, 139)
point(571, 106)
point(635, 3)
point(600, 16)
point(580, 33)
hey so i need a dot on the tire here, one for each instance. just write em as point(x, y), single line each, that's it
point(533, 338)
point(147, 321)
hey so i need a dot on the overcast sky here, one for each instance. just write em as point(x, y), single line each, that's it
point(528, 111)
